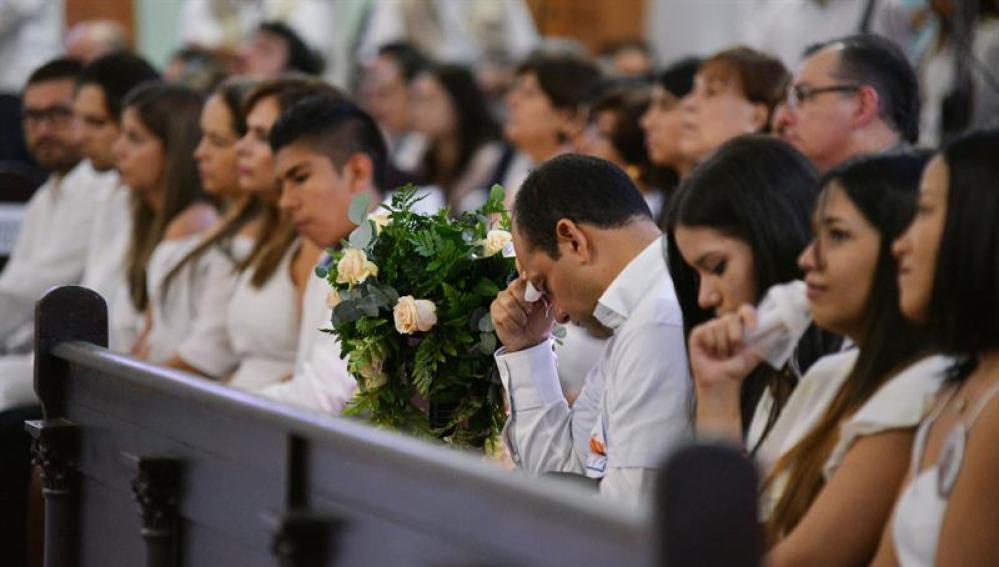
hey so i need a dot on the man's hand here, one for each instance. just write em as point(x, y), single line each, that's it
point(520, 324)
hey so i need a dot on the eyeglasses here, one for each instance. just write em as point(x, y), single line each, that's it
point(797, 94)
point(55, 115)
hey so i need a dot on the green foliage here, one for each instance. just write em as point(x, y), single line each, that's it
point(441, 383)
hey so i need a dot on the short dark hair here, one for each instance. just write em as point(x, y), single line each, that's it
point(583, 189)
point(335, 128)
point(406, 56)
point(568, 81)
point(877, 61)
point(301, 57)
point(58, 69)
point(678, 77)
point(116, 74)
point(964, 307)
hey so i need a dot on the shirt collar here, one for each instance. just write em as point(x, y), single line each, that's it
point(641, 276)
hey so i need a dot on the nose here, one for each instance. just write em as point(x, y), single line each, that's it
point(561, 315)
point(242, 146)
point(689, 103)
point(901, 246)
point(784, 117)
point(708, 296)
point(199, 150)
point(285, 201)
point(807, 261)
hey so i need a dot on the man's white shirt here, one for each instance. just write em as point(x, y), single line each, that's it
point(321, 380)
point(635, 405)
point(52, 246)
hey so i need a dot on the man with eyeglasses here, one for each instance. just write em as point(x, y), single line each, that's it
point(851, 96)
point(51, 244)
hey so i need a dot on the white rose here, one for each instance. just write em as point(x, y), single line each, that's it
point(494, 242)
point(333, 299)
point(354, 267)
point(413, 315)
point(380, 220)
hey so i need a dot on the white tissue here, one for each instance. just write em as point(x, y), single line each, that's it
point(782, 318)
point(531, 293)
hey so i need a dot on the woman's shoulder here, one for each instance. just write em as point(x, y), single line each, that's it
point(195, 219)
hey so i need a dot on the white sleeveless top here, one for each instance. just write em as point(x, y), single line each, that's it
point(263, 327)
point(172, 308)
point(920, 511)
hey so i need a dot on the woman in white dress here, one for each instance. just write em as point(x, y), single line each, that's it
point(159, 131)
point(829, 494)
point(264, 311)
point(948, 511)
point(208, 268)
point(739, 224)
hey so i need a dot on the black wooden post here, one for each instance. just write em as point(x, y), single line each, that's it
point(68, 313)
point(706, 508)
point(156, 488)
point(54, 446)
point(305, 539)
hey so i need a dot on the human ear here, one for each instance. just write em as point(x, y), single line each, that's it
point(760, 118)
point(869, 107)
point(571, 239)
point(359, 171)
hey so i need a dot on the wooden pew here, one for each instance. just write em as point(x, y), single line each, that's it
point(147, 466)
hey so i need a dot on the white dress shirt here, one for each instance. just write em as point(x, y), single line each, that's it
point(51, 248)
point(321, 380)
point(635, 405)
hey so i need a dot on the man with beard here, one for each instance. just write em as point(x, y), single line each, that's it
point(51, 247)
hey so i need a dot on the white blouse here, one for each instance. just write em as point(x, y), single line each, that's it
point(208, 346)
point(172, 307)
point(262, 324)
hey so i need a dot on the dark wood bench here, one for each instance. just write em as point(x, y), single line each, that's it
point(144, 465)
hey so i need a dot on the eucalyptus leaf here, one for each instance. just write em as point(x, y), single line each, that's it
point(486, 324)
point(559, 331)
point(358, 210)
point(347, 312)
point(497, 193)
point(322, 271)
point(362, 236)
point(488, 343)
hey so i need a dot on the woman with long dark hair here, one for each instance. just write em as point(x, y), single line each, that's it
point(153, 156)
point(212, 259)
point(948, 511)
point(450, 109)
point(738, 225)
point(847, 429)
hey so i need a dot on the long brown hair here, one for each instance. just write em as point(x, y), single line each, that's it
point(231, 93)
point(170, 113)
point(278, 234)
point(883, 189)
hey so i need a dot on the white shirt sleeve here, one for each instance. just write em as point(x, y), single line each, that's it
point(50, 250)
point(543, 433)
point(320, 380)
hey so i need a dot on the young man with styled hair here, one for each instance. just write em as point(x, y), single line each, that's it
point(326, 152)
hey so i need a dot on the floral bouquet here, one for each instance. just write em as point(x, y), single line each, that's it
point(410, 302)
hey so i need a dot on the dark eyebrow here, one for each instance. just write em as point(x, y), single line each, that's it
point(295, 170)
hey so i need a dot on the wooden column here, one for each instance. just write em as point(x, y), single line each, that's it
point(54, 446)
